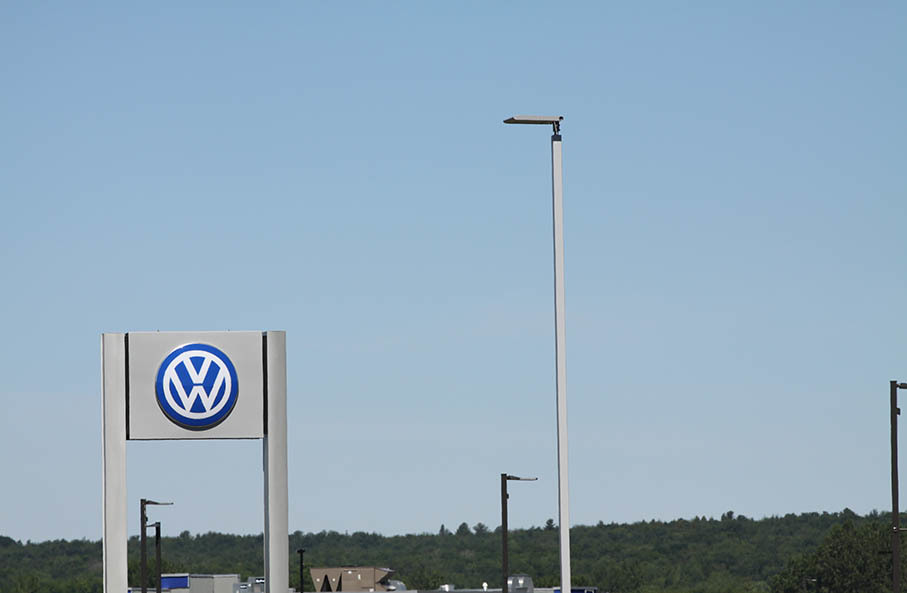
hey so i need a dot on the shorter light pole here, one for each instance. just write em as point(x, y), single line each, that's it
point(895, 513)
point(144, 544)
point(505, 561)
point(157, 554)
point(300, 551)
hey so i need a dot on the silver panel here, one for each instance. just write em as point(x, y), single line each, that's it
point(113, 481)
point(147, 351)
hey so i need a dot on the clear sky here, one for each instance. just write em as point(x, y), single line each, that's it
point(735, 239)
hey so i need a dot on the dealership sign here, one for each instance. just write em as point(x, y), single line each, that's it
point(194, 385)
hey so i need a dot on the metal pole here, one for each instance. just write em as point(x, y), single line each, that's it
point(157, 553)
point(300, 551)
point(557, 199)
point(895, 514)
point(144, 560)
point(505, 560)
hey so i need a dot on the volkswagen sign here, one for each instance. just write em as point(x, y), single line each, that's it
point(197, 386)
point(184, 385)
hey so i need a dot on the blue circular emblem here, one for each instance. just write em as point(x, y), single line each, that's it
point(196, 386)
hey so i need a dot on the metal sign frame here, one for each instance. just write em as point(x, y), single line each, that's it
point(115, 420)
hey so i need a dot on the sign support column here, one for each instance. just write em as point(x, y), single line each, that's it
point(277, 539)
point(113, 420)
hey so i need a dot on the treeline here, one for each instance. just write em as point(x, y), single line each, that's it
point(790, 554)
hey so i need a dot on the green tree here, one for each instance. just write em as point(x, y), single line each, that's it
point(850, 560)
point(423, 578)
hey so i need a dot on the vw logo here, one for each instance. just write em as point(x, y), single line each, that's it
point(196, 386)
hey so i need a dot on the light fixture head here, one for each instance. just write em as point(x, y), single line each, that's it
point(517, 478)
point(534, 119)
point(538, 120)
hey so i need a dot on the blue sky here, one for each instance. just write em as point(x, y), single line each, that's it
point(735, 247)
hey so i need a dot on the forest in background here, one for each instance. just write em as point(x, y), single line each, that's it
point(824, 552)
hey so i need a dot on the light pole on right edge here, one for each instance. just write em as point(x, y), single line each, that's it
point(895, 513)
point(560, 334)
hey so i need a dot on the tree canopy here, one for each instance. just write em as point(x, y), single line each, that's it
point(821, 552)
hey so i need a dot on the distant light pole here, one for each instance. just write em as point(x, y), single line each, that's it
point(560, 334)
point(157, 543)
point(505, 557)
point(157, 554)
point(895, 513)
point(300, 551)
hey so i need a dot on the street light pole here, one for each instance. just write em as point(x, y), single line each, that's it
point(144, 553)
point(895, 513)
point(143, 561)
point(505, 555)
point(560, 334)
point(157, 554)
point(300, 551)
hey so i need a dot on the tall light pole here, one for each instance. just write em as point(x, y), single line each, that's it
point(144, 560)
point(560, 334)
point(505, 555)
